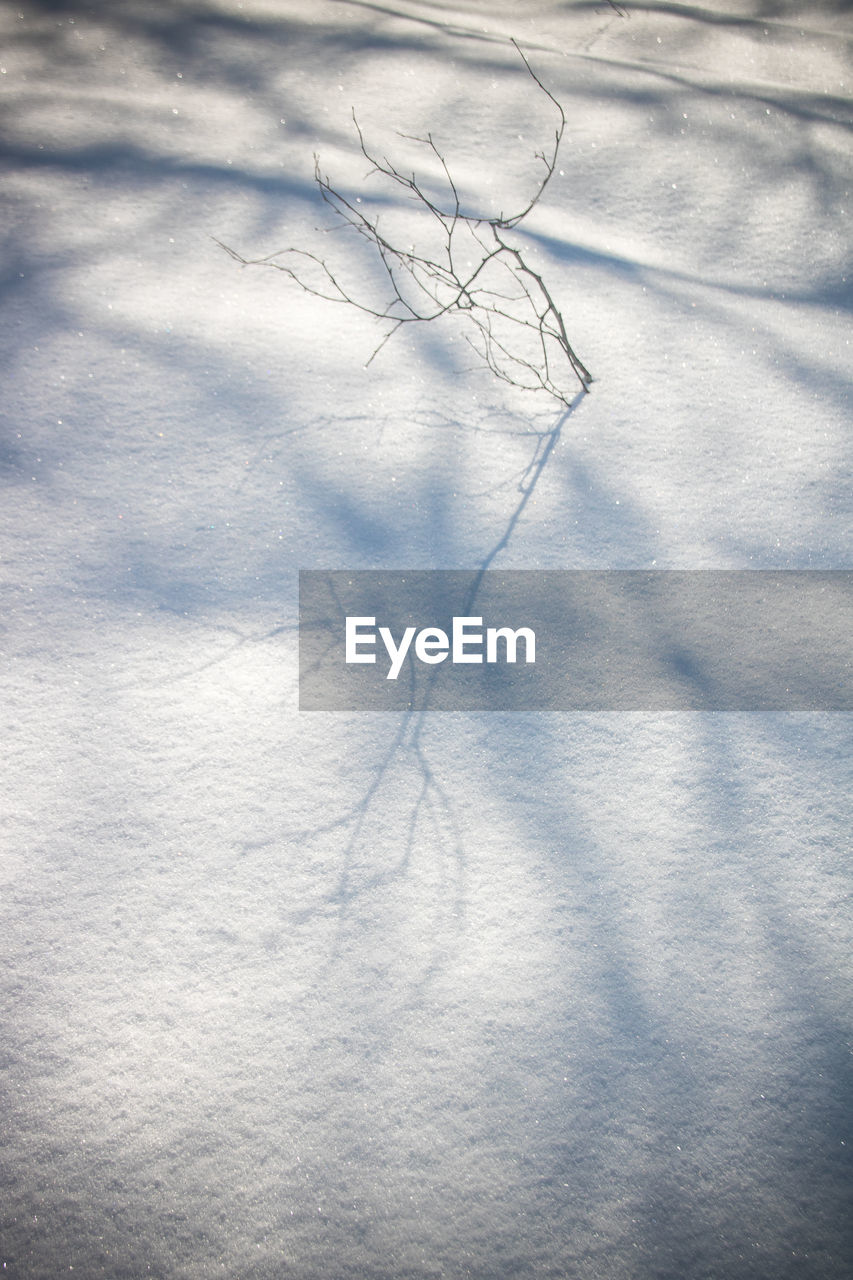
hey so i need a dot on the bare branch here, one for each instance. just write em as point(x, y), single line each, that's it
point(550, 165)
point(518, 325)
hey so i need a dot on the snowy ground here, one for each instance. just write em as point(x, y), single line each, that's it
point(314, 995)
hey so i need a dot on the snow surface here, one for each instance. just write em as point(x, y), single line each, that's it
point(338, 996)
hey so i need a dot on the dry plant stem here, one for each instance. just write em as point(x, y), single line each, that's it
point(519, 330)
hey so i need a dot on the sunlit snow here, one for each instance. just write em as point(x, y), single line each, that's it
point(491, 996)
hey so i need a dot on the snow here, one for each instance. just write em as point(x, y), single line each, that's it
point(349, 996)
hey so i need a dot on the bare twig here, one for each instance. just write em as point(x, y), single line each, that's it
point(519, 332)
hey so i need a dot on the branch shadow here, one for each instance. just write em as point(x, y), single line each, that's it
point(613, 1011)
